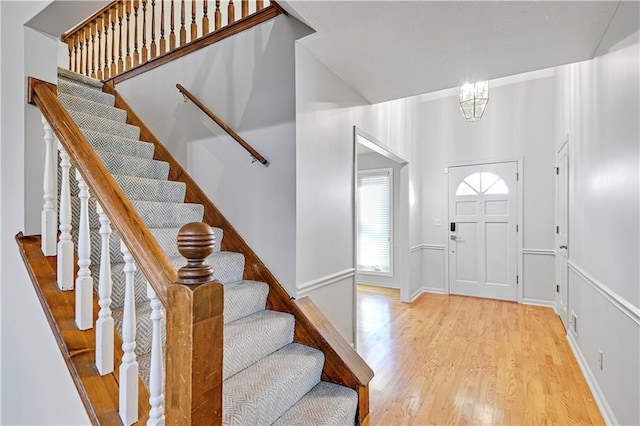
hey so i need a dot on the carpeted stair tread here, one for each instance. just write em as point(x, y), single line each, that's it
point(261, 393)
point(80, 90)
point(168, 215)
point(139, 188)
point(79, 78)
point(146, 189)
point(249, 339)
point(118, 164)
point(243, 298)
point(253, 292)
point(327, 404)
point(174, 190)
point(228, 267)
point(87, 106)
point(155, 214)
point(117, 144)
point(99, 124)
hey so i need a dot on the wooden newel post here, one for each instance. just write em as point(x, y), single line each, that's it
point(194, 334)
point(195, 242)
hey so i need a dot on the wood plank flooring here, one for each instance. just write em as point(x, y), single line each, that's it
point(459, 360)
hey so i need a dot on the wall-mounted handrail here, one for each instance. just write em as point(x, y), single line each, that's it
point(255, 154)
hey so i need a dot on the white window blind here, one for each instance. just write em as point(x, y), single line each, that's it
point(374, 221)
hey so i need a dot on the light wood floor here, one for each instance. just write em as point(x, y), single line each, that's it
point(462, 360)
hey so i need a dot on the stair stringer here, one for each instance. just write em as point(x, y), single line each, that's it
point(342, 365)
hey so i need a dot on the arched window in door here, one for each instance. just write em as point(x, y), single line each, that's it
point(482, 183)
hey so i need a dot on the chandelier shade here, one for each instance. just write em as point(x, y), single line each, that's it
point(473, 100)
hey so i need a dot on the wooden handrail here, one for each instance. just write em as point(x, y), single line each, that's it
point(222, 124)
point(89, 51)
point(149, 256)
point(194, 311)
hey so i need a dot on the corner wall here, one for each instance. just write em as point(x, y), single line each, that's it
point(327, 109)
point(599, 106)
point(37, 388)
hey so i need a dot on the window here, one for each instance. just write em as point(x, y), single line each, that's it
point(375, 221)
point(482, 183)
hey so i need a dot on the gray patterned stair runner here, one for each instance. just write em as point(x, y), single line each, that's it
point(267, 378)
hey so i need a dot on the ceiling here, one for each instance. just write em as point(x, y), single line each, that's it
point(62, 15)
point(394, 49)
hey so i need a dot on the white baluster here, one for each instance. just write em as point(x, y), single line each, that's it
point(49, 220)
point(65, 245)
point(129, 366)
point(156, 373)
point(84, 281)
point(104, 324)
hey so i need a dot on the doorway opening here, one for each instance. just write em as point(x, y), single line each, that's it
point(381, 217)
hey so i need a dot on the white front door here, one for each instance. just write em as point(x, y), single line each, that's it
point(483, 260)
point(562, 215)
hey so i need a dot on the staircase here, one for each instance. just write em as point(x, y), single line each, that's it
point(267, 377)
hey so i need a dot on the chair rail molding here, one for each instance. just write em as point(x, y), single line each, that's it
point(614, 298)
point(540, 252)
point(438, 247)
point(310, 286)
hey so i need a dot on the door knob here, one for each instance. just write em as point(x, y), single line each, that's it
point(563, 247)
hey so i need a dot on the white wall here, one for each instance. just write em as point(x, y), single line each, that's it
point(248, 81)
point(518, 123)
point(599, 109)
point(327, 110)
point(37, 388)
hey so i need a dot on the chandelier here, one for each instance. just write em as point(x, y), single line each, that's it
point(473, 100)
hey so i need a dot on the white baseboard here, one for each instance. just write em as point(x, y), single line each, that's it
point(537, 302)
point(418, 292)
point(378, 284)
point(605, 409)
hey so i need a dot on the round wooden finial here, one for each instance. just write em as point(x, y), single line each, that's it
point(195, 242)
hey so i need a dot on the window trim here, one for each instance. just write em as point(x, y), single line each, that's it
point(389, 171)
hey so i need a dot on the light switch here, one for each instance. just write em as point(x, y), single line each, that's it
point(437, 221)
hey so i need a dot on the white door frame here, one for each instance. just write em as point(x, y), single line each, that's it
point(401, 235)
point(563, 315)
point(519, 218)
